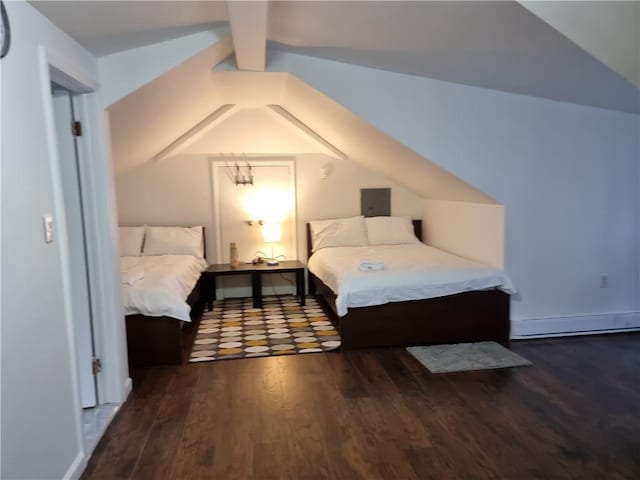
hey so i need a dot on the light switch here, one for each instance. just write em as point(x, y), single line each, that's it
point(48, 228)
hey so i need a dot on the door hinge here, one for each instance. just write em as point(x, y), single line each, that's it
point(76, 129)
point(96, 365)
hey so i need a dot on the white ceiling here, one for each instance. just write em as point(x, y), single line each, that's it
point(105, 27)
point(498, 45)
point(610, 31)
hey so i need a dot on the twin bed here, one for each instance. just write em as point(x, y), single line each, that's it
point(420, 296)
point(161, 287)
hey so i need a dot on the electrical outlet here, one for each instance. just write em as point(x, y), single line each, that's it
point(48, 228)
point(604, 280)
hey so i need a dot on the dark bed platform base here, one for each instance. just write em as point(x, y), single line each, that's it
point(475, 316)
point(162, 340)
point(464, 317)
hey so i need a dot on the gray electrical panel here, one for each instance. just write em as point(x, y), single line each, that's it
point(375, 202)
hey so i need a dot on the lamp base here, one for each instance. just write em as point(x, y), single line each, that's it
point(272, 262)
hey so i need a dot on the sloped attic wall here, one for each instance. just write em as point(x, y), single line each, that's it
point(171, 105)
point(125, 71)
point(178, 189)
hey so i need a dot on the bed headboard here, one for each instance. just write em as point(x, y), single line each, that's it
point(417, 230)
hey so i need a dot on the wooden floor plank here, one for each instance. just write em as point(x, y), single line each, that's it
point(166, 432)
point(379, 414)
point(118, 452)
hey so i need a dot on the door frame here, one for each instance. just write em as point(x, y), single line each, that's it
point(113, 384)
point(275, 161)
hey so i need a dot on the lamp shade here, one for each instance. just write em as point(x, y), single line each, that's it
point(271, 232)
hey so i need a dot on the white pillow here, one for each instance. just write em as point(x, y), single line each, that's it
point(131, 239)
point(340, 232)
point(173, 241)
point(390, 230)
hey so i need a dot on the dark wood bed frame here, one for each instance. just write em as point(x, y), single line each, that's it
point(164, 340)
point(464, 317)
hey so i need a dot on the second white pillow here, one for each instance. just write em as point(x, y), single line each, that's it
point(390, 231)
point(173, 241)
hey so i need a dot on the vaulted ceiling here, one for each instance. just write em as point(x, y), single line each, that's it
point(204, 112)
point(498, 45)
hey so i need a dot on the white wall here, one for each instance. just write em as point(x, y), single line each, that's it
point(567, 175)
point(38, 417)
point(178, 191)
point(469, 230)
point(41, 415)
point(123, 72)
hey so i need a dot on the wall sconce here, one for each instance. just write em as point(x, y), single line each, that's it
point(240, 178)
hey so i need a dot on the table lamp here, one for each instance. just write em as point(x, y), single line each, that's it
point(272, 233)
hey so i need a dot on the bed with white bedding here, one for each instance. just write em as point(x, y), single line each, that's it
point(389, 289)
point(161, 280)
point(159, 285)
point(410, 272)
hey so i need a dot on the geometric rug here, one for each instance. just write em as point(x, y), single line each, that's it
point(234, 329)
point(461, 357)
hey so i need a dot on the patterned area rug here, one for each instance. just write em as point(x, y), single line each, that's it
point(460, 357)
point(234, 329)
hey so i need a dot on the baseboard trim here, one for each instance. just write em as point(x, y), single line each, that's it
point(77, 467)
point(576, 325)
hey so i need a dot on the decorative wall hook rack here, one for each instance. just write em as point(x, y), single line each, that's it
point(243, 175)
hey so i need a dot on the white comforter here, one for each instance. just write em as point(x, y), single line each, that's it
point(411, 272)
point(161, 284)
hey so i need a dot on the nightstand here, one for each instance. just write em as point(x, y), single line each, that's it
point(255, 271)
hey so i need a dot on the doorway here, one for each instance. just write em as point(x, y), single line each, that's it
point(83, 227)
point(68, 129)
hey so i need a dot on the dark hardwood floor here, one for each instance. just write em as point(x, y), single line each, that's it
point(373, 414)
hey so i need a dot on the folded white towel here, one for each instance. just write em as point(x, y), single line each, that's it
point(371, 265)
point(129, 277)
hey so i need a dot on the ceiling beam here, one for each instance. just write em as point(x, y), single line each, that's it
point(195, 132)
point(249, 30)
point(292, 119)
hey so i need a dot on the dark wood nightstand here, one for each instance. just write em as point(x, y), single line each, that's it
point(256, 271)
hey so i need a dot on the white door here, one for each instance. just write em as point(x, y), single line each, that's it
point(271, 199)
point(81, 294)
